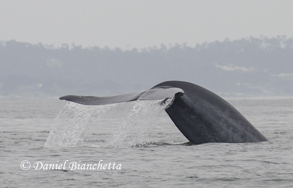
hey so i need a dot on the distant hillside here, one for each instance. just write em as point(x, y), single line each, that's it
point(246, 67)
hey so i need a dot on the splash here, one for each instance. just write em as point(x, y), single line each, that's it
point(136, 127)
point(75, 124)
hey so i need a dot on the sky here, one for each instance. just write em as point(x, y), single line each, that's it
point(142, 23)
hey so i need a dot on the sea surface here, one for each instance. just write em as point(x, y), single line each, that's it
point(43, 143)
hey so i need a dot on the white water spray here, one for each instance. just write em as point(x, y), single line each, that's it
point(73, 125)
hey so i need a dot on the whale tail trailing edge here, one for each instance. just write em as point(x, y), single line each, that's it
point(160, 93)
point(90, 100)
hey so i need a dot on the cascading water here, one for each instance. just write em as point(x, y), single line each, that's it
point(73, 125)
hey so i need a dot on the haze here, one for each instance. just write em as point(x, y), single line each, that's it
point(130, 23)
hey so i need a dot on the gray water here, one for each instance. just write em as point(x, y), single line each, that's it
point(155, 157)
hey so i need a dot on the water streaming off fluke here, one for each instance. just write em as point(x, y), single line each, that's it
point(74, 124)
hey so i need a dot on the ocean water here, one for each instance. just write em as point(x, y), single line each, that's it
point(43, 144)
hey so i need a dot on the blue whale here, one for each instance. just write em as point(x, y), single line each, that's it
point(200, 115)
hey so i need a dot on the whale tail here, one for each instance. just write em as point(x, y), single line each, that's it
point(201, 115)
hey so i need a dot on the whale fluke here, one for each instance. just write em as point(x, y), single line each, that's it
point(201, 115)
point(151, 94)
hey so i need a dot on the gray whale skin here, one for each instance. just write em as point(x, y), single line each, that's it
point(201, 115)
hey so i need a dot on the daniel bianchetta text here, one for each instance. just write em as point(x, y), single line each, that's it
point(67, 165)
